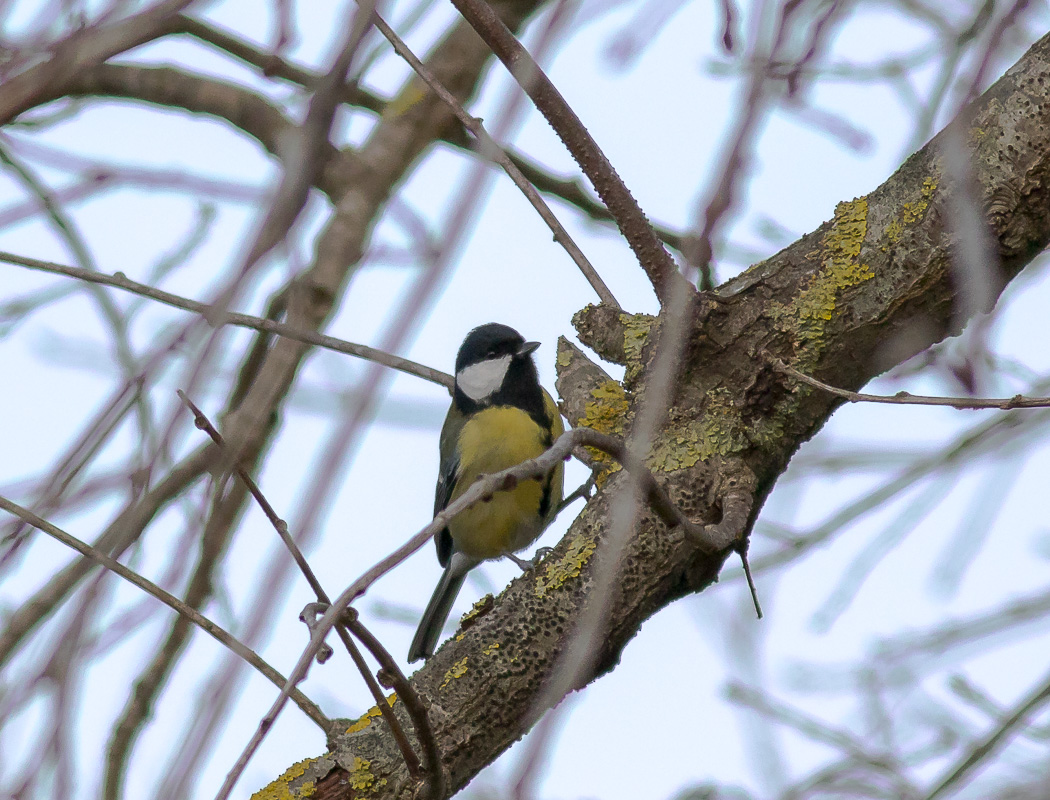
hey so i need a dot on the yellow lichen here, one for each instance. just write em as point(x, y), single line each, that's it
point(910, 212)
point(685, 442)
point(841, 268)
point(608, 411)
point(806, 317)
point(636, 329)
point(365, 719)
point(281, 788)
point(361, 778)
point(606, 414)
point(492, 648)
point(567, 567)
point(479, 609)
point(457, 670)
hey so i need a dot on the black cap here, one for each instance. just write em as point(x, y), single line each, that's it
point(491, 340)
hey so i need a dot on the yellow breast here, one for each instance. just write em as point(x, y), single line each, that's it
point(492, 440)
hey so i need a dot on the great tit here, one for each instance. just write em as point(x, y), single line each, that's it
point(499, 417)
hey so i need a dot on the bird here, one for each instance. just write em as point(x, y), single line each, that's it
point(500, 416)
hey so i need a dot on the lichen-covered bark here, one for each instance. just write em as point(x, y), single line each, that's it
point(864, 291)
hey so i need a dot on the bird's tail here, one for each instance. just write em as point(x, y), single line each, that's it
point(433, 622)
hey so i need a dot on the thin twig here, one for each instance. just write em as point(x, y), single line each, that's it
point(746, 566)
point(809, 726)
point(121, 281)
point(906, 399)
point(194, 616)
point(203, 423)
point(408, 694)
point(981, 751)
point(490, 149)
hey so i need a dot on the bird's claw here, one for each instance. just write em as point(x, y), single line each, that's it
point(527, 564)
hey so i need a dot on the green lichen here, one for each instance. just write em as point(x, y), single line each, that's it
point(567, 568)
point(806, 317)
point(457, 670)
point(768, 432)
point(365, 719)
point(281, 788)
point(910, 212)
point(677, 448)
point(723, 432)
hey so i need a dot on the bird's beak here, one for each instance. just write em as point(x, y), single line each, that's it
point(527, 348)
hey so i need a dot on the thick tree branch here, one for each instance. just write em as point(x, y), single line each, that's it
point(866, 290)
point(81, 50)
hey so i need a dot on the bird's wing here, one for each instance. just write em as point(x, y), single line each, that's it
point(553, 485)
point(448, 474)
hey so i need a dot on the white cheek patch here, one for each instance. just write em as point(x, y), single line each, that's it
point(480, 380)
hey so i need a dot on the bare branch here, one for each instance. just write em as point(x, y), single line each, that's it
point(80, 51)
point(906, 399)
point(121, 281)
point(658, 265)
point(491, 150)
point(190, 613)
point(281, 527)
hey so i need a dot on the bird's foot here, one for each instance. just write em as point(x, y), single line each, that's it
point(527, 564)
